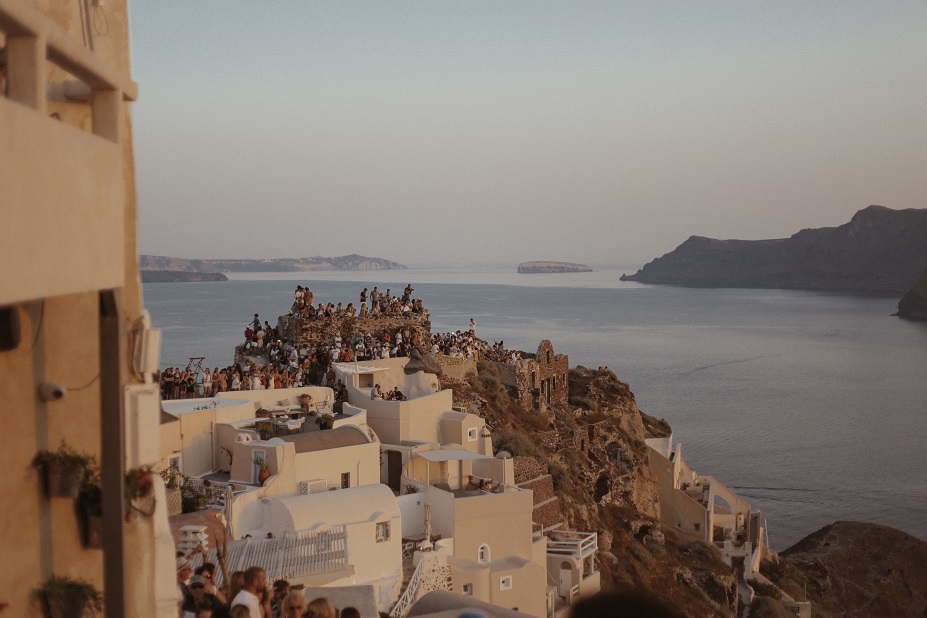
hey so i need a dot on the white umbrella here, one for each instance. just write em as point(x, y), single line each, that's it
point(426, 544)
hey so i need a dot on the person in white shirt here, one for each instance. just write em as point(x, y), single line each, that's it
point(254, 590)
point(376, 393)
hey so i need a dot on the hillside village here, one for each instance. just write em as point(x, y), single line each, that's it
point(499, 481)
point(494, 481)
point(382, 501)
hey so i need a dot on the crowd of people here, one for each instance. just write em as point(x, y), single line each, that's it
point(284, 363)
point(465, 344)
point(372, 304)
point(246, 595)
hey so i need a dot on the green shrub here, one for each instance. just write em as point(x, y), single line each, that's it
point(193, 497)
point(516, 443)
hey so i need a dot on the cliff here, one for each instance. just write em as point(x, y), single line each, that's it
point(179, 276)
point(552, 267)
point(855, 569)
point(308, 264)
point(879, 251)
point(587, 465)
point(914, 304)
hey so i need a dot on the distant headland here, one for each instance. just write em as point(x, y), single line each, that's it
point(880, 251)
point(179, 276)
point(552, 267)
point(307, 264)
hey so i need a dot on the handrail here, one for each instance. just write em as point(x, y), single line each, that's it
point(20, 19)
point(408, 595)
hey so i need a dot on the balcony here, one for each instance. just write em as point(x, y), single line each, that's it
point(65, 190)
point(579, 545)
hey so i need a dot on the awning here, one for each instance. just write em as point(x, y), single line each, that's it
point(451, 455)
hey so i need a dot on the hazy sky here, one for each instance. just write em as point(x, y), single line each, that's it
point(597, 132)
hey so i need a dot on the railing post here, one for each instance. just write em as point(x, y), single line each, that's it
point(26, 70)
point(106, 108)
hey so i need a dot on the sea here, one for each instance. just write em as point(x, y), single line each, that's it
point(812, 406)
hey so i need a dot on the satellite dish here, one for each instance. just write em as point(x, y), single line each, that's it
point(504, 455)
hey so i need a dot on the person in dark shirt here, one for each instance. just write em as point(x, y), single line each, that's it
point(199, 596)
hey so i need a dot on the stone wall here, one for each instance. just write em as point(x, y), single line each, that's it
point(547, 515)
point(548, 439)
point(586, 436)
point(541, 381)
point(323, 330)
point(532, 475)
point(455, 367)
point(527, 468)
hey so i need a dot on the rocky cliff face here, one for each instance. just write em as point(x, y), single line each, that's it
point(856, 569)
point(914, 304)
point(879, 251)
point(595, 456)
point(345, 262)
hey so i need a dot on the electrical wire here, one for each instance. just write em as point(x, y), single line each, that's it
point(80, 388)
point(98, 10)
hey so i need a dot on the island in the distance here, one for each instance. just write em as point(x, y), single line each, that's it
point(552, 267)
point(179, 276)
point(880, 251)
point(307, 264)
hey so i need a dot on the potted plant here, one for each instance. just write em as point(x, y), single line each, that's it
point(263, 469)
point(139, 492)
point(63, 597)
point(304, 400)
point(63, 471)
point(325, 421)
point(89, 506)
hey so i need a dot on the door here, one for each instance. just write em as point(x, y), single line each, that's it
point(393, 469)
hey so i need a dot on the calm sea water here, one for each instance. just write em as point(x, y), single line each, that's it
point(812, 406)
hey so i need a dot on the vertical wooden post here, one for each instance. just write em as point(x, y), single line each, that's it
point(112, 457)
point(26, 70)
point(106, 114)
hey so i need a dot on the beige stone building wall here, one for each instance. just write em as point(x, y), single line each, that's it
point(71, 281)
point(455, 367)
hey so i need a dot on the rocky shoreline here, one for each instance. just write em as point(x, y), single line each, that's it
point(179, 276)
point(914, 304)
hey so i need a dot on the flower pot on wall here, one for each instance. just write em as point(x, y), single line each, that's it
point(63, 481)
point(63, 597)
point(89, 508)
point(63, 471)
point(263, 475)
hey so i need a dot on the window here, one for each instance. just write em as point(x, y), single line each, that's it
point(257, 455)
point(468, 589)
point(505, 583)
point(483, 554)
point(472, 434)
point(345, 480)
point(382, 531)
point(9, 328)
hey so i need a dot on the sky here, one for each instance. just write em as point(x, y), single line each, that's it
point(472, 132)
